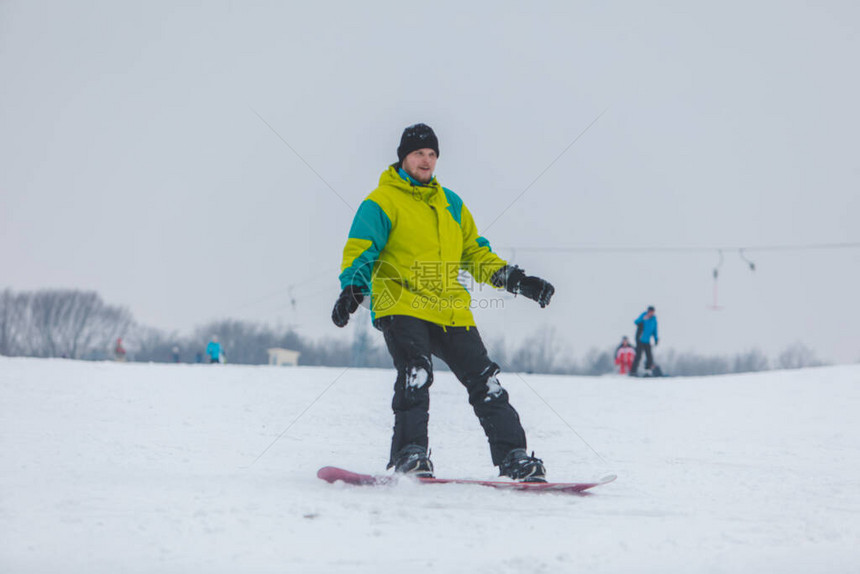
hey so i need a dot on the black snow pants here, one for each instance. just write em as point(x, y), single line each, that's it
point(649, 358)
point(411, 343)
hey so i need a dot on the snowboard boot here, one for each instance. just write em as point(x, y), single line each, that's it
point(522, 467)
point(414, 460)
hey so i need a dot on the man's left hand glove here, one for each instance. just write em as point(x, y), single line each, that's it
point(515, 281)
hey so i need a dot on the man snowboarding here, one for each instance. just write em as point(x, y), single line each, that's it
point(646, 328)
point(408, 241)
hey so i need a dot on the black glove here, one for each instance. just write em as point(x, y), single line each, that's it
point(346, 304)
point(515, 281)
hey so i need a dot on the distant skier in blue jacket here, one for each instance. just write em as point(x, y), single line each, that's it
point(646, 327)
point(213, 349)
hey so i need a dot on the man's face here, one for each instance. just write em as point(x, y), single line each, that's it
point(420, 164)
point(650, 313)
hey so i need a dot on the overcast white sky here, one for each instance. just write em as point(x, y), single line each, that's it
point(135, 161)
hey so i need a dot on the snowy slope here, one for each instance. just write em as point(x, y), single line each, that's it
point(151, 468)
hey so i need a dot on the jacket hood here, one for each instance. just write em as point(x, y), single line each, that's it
point(399, 179)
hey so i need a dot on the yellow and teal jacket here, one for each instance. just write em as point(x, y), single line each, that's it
point(406, 247)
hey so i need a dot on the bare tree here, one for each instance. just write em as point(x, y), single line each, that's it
point(798, 356)
point(598, 363)
point(8, 323)
point(538, 353)
point(750, 361)
point(59, 323)
point(146, 344)
point(14, 323)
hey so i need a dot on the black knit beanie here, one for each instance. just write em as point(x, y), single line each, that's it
point(418, 136)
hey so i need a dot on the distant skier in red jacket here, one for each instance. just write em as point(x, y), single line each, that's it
point(119, 350)
point(624, 356)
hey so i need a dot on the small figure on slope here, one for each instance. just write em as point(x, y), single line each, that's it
point(624, 354)
point(215, 351)
point(119, 350)
point(646, 328)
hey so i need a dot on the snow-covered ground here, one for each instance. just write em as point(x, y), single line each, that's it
point(109, 467)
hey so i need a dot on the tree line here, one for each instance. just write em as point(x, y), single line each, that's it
point(80, 325)
point(58, 323)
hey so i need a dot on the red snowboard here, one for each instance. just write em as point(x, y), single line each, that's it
point(332, 474)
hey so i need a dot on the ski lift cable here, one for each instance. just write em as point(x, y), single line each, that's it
point(304, 299)
point(288, 289)
point(684, 249)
